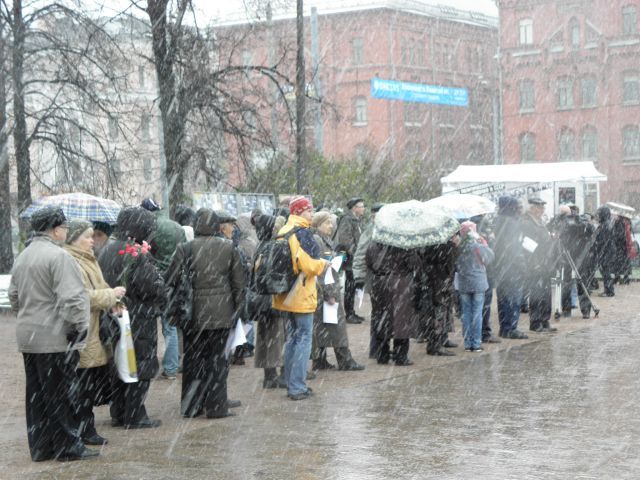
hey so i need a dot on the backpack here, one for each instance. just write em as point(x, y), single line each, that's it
point(273, 266)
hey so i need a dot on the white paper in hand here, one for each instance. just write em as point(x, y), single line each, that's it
point(330, 313)
point(359, 296)
point(328, 277)
point(236, 338)
point(529, 244)
point(336, 262)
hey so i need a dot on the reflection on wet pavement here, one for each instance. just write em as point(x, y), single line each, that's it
point(565, 407)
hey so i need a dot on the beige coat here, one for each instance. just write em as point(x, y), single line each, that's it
point(101, 297)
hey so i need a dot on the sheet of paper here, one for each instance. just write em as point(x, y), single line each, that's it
point(359, 296)
point(336, 262)
point(328, 277)
point(330, 313)
point(236, 338)
point(529, 244)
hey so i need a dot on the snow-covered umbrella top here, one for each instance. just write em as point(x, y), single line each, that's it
point(462, 205)
point(78, 205)
point(413, 224)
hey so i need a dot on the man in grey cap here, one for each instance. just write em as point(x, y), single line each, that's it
point(48, 294)
point(540, 257)
point(346, 239)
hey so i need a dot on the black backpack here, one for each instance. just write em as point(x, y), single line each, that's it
point(273, 266)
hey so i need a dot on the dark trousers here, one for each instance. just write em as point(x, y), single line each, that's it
point(608, 280)
point(436, 326)
point(400, 351)
point(127, 401)
point(349, 293)
point(539, 304)
point(204, 373)
point(377, 310)
point(53, 427)
point(509, 303)
point(486, 315)
point(94, 389)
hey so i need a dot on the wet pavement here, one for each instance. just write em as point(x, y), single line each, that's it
point(559, 406)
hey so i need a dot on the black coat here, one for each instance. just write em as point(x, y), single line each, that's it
point(508, 269)
point(393, 283)
point(146, 291)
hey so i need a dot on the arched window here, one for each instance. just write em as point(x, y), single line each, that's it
point(527, 148)
point(360, 110)
point(566, 146)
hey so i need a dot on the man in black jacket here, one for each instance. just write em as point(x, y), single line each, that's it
point(346, 240)
point(541, 259)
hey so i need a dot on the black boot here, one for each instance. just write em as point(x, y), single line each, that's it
point(321, 362)
point(401, 352)
point(345, 360)
point(270, 378)
point(383, 355)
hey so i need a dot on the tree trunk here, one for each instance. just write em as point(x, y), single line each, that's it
point(21, 145)
point(6, 250)
point(301, 150)
point(171, 111)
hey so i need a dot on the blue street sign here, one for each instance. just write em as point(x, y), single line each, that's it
point(419, 92)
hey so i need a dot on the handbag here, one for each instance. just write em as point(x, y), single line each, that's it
point(179, 311)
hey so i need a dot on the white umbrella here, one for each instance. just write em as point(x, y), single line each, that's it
point(462, 205)
point(621, 209)
point(412, 224)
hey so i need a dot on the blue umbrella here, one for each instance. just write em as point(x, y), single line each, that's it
point(78, 205)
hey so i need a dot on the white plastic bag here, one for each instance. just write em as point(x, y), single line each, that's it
point(125, 355)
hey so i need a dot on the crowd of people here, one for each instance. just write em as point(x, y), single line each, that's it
point(196, 277)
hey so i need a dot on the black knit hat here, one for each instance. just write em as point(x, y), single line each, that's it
point(47, 218)
point(354, 201)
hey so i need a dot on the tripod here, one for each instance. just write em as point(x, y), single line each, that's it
point(578, 278)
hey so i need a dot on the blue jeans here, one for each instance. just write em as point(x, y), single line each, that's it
point(171, 359)
point(509, 303)
point(297, 351)
point(472, 303)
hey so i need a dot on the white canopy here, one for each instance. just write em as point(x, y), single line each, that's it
point(526, 173)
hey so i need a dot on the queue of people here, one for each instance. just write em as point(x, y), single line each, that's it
point(71, 279)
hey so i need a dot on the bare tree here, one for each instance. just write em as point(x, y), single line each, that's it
point(6, 250)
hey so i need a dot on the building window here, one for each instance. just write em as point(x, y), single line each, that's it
point(588, 89)
point(631, 88)
point(145, 131)
point(146, 167)
point(360, 107)
point(590, 145)
point(565, 93)
point(412, 114)
point(141, 79)
point(567, 146)
point(527, 148)
point(557, 41)
point(631, 142)
point(527, 96)
point(357, 51)
point(591, 36)
point(113, 128)
point(629, 20)
point(574, 29)
point(526, 32)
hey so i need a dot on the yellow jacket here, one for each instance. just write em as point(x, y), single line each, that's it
point(303, 297)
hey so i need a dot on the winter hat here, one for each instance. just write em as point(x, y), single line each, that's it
point(76, 229)
point(150, 204)
point(319, 218)
point(103, 227)
point(354, 201)
point(299, 204)
point(47, 218)
point(507, 204)
point(466, 228)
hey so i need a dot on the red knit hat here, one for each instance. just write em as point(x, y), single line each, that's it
point(299, 204)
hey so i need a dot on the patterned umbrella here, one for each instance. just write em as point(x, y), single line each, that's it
point(78, 205)
point(462, 205)
point(412, 224)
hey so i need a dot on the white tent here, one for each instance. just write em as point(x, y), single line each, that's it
point(525, 173)
point(556, 183)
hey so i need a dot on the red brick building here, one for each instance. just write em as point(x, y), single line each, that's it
point(571, 86)
point(405, 41)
